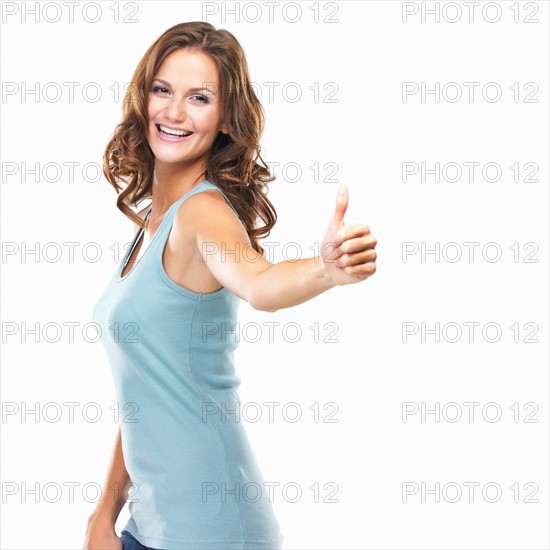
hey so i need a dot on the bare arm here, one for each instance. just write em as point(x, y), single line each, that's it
point(100, 531)
point(115, 490)
point(347, 255)
point(289, 283)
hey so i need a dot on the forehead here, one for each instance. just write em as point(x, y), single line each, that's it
point(184, 67)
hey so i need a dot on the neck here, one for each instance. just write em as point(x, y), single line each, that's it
point(170, 182)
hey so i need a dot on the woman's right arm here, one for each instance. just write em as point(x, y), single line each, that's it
point(100, 532)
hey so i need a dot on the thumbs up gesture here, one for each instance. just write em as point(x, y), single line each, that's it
point(347, 250)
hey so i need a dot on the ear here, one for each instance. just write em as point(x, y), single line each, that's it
point(223, 129)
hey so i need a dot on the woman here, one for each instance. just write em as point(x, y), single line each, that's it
point(189, 141)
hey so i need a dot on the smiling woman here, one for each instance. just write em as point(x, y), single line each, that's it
point(193, 78)
point(171, 102)
point(189, 141)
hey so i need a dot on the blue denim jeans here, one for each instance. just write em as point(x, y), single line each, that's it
point(129, 542)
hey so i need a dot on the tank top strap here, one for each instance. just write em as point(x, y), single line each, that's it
point(168, 221)
point(205, 185)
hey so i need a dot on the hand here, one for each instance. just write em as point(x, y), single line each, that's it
point(101, 537)
point(347, 251)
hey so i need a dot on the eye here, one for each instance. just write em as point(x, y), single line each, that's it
point(202, 99)
point(159, 88)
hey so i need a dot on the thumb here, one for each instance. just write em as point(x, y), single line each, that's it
point(341, 203)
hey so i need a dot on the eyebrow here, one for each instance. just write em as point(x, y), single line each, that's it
point(196, 89)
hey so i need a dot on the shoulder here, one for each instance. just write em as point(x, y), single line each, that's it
point(209, 204)
point(208, 215)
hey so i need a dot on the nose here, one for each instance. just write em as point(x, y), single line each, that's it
point(175, 110)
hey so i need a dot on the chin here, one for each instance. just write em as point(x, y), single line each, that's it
point(170, 159)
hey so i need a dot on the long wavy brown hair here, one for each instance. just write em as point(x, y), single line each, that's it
point(233, 161)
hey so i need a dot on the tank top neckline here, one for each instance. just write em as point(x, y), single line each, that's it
point(128, 254)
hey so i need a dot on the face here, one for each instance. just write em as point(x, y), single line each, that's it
point(184, 108)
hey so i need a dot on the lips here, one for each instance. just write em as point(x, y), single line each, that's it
point(173, 132)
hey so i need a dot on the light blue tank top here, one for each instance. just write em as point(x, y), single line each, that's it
point(196, 482)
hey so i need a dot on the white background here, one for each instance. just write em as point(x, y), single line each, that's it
point(369, 51)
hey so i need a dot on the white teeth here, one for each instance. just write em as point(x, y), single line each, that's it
point(172, 132)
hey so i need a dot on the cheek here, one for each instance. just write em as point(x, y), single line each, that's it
point(210, 120)
point(153, 107)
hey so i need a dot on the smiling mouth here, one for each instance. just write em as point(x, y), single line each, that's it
point(164, 130)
